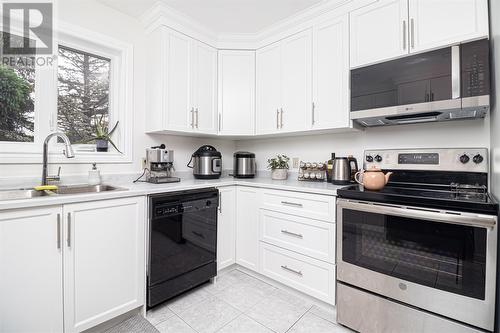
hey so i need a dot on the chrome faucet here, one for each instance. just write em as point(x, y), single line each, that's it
point(68, 152)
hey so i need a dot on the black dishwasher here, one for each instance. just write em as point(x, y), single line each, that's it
point(182, 242)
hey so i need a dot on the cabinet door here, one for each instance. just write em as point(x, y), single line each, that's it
point(331, 74)
point(247, 227)
point(226, 228)
point(237, 92)
point(204, 88)
point(379, 32)
point(31, 288)
point(268, 89)
point(104, 260)
point(178, 78)
point(296, 81)
point(439, 23)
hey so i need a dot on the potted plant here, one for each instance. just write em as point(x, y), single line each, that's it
point(102, 135)
point(279, 167)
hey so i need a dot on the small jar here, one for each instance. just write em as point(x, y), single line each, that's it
point(306, 175)
point(314, 165)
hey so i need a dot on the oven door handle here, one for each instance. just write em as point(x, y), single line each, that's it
point(451, 217)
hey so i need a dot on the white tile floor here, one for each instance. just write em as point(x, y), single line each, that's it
point(239, 303)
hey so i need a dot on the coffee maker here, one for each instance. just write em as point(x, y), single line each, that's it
point(160, 165)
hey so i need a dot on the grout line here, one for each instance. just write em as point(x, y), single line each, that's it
point(295, 323)
point(186, 323)
point(229, 322)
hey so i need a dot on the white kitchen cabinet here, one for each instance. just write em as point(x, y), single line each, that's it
point(204, 87)
point(177, 95)
point(104, 260)
point(31, 266)
point(226, 228)
point(388, 29)
point(437, 23)
point(331, 74)
point(247, 227)
point(268, 89)
point(379, 31)
point(284, 84)
point(182, 84)
point(296, 81)
point(236, 92)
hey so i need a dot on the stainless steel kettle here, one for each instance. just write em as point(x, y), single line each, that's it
point(344, 169)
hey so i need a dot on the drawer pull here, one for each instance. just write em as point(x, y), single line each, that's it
point(286, 232)
point(299, 273)
point(287, 203)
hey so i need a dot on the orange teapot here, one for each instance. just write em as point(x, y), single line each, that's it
point(373, 179)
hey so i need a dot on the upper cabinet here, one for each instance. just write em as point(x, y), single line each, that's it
point(436, 23)
point(284, 84)
point(236, 92)
point(379, 31)
point(390, 28)
point(182, 90)
point(331, 74)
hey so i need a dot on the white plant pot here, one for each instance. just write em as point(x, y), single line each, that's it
point(279, 174)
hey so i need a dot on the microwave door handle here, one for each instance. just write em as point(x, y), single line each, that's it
point(472, 220)
point(455, 72)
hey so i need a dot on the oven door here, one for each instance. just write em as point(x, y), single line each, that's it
point(440, 261)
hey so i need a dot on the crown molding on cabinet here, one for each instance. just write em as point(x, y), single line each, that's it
point(161, 14)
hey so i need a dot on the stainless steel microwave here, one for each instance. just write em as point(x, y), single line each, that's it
point(451, 83)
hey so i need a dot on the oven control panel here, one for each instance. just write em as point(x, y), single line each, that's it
point(455, 159)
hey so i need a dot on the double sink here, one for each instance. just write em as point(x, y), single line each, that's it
point(19, 194)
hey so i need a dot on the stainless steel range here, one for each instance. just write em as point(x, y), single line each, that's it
point(419, 255)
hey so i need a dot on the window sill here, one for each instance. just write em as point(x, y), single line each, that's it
point(59, 158)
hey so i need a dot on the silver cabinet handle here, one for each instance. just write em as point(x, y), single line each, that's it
point(313, 108)
point(412, 27)
point(197, 117)
point(58, 231)
point(281, 121)
point(404, 35)
point(192, 117)
point(277, 118)
point(288, 203)
point(286, 232)
point(220, 122)
point(220, 202)
point(291, 270)
point(68, 239)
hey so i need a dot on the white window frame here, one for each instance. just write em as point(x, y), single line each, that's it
point(46, 96)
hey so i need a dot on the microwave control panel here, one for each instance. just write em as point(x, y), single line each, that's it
point(475, 59)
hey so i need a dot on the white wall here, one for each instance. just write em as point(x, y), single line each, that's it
point(94, 16)
point(471, 133)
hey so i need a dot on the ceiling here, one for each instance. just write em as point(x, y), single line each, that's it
point(224, 16)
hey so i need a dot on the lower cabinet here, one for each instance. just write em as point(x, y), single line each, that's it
point(69, 268)
point(104, 261)
point(247, 227)
point(226, 227)
point(313, 277)
point(31, 259)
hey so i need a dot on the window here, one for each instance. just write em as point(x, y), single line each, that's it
point(88, 87)
point(83, 93)
point(17, 98)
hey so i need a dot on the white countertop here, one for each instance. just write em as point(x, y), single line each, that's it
point(142, 189)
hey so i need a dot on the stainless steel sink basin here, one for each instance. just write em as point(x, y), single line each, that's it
point(19, 194)
point(79, 189)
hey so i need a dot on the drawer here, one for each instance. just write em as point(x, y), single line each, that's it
point(310, 276)
point(313, 238)
point(321, 207)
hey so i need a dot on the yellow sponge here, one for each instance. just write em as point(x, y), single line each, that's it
point(46, 188)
